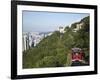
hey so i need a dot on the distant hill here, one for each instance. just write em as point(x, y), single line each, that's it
point(55, 50)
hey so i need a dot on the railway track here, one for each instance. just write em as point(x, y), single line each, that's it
point(77, 63)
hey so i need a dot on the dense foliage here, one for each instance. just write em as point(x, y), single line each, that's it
point(55, 50)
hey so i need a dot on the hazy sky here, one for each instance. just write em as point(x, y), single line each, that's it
point(48, 21)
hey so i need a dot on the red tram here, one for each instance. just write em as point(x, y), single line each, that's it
point(77, 55)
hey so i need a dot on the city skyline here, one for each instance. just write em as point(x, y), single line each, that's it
point(35, 21)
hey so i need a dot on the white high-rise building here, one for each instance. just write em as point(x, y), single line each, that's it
point(24, 42)
point(61, 29)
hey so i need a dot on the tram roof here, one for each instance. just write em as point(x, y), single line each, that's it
point(76, 49)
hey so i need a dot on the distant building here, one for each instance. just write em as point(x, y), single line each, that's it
point(24, 42)
point(61, 29)
point(50, 33)
point(78, 27)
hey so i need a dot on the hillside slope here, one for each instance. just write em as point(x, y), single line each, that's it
point(55, 50)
